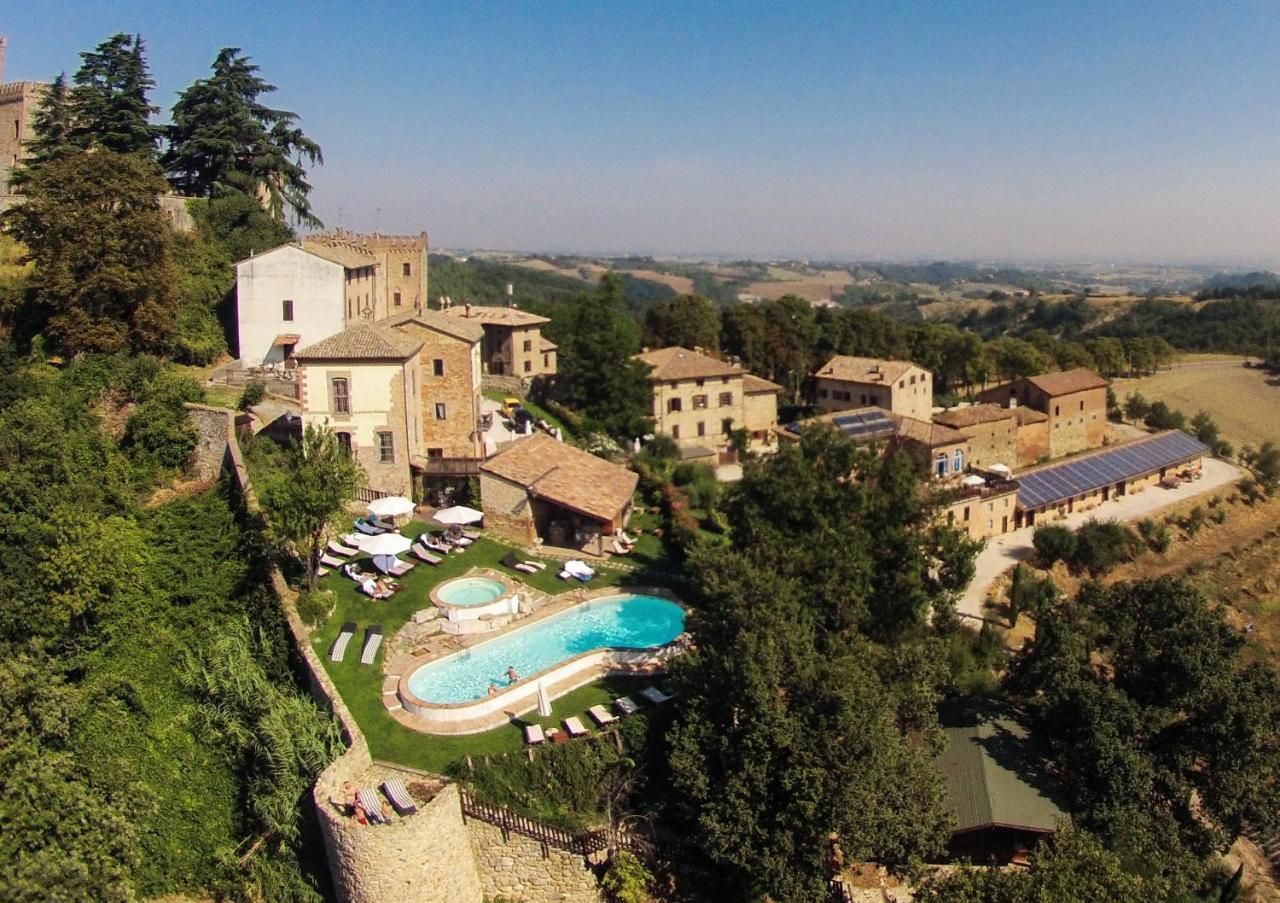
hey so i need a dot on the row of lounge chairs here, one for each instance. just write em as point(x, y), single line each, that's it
point(534, 733)
point(373, 809)
point(372, 642)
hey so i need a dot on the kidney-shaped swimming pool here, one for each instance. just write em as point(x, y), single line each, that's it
point(626, 621)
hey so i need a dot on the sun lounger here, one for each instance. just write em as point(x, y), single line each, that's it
point(372, 640)
point(398, 796)
point(322, 572)
point(339, 549)
point(422, 553)
point(400, 568)
point(601, 716)
point(369, 803)
point(626, 540)
point(565, 575)
point(471, 534)
point(330, 562)
point(619, 548)
point(511, 561)
point(575, 726)
point(339, 648)
point(369, 529)
point(535, 564)
point(352, 571)
point(352, 540)
point(533, 734)
point(626, 705)
point(656, 696)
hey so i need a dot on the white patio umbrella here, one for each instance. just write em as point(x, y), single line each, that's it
point(391, 506)
point(973, 480)
point(458, 514)
point(385, 544)
point(544, 701)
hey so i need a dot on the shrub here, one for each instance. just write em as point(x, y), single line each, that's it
point(1162, 417)
point(1136, 407)
point(159, 430)
point(314, 608)
point(1054, 544)
point(252, 395)
point(1194, 521)
point(626, 879)
point(1101, 545)
point(699, 483)
point(1155, 535)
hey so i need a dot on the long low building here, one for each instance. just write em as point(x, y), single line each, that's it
point(1088, 480)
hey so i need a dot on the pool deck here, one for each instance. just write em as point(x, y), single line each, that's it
point(523, 694)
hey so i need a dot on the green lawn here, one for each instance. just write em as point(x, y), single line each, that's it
point(361, 685)
point(536, 410)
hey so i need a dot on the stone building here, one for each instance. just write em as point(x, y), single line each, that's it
point(299, 293)
point(698, 400)
point(362, 383)
point(449, 400)
point(1074, 401)
point(846, 383)
point(513, 343)
point(541, 489)
point(18, 102)
point(991, 431)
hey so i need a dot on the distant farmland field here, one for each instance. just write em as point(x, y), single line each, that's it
point(1239, 398)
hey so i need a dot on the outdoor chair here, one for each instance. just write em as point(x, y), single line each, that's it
point(600, 715)
point(471, 534)
point(424, 555)
point(339, 649)
point(626, 705)
point(372, 640)
point(338, 548)
point(398, 795)
point(330, 562)
point(353, 572)
point(533, 734)
point(575, 727)
point(368, 798)
point(367, 528)
point(510, 560)
point(656, 696)
point(619, 548)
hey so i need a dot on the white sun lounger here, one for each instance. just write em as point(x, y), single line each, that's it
point(400, 568)
point(533, 734)
point(600, 715)
point(575, 726)
point(619, 548)
point(369, 529)
point(656, 696)
point(535, 564)
point(368, 798)
point(322, 572)
point(398, 795)
point(330, 562)
point(339, 648)
point(372, 640)
point(471, 534)
point(422, 553)
point(626, 705)
point(622, 535)
point(342, 551)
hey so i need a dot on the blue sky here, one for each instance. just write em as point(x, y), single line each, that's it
point(1013, 131)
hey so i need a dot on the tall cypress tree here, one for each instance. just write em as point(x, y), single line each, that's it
point(222, 138)
point(109, 101)
point(51, 127)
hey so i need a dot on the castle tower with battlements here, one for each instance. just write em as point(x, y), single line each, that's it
point(18, 101)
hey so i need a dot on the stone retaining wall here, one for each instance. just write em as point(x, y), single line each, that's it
point(521, 868)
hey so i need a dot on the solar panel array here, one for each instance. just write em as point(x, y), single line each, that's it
point(1072, 478)
point(864, 425)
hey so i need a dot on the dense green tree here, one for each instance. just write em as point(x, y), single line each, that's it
point(240, 225)
point(223, 138)
point(686, 320)
point(791, 336)
point(51, 131)
point(1054, 543)
point(1012, 358)
point(744, 333)
point(109, 105)
point(1102, 545)
point(1108, 356)
point(1265, 464)
point(597, 340)
point(306, 499)
point(1161, 417)
point(102, 279)
point(1136, 407)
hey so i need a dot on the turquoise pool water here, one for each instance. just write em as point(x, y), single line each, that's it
point(628, 622)
point(471, 591)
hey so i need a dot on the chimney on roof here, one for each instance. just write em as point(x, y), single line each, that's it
point(511, 291)
point(468, 308)
point(3, 43)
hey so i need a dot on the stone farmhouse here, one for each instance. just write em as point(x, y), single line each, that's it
point(1073, 401)
point(699, 400)
point(513, 343)
point(299, 293)
point(845, 383)
point(1015, 437)
point(542, 490)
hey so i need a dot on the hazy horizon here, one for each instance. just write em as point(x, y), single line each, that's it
point(992, 132)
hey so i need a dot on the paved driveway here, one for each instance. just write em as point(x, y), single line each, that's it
point(1004, 552)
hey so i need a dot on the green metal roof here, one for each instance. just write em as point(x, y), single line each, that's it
point(994, 775)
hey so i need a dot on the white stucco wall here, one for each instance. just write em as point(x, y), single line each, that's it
point(315, 285)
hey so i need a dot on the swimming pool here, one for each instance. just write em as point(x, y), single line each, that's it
point(629, 621)
point(467, 591)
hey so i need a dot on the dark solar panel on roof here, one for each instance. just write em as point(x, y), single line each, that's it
point(1071, 478)
point(858, 425)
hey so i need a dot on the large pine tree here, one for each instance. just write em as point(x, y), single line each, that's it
point(223, 138)
point(51, 129)
point(109, 101)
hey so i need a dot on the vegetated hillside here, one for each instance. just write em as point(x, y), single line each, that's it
point(155, 740)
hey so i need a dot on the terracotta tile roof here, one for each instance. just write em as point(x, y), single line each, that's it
point(565, 476)
point(676, 363)
point(1066, 382)
point(922, 431)
point(864, 369)
point(362, 342)
point(347, 255)
point(754, 385)
point(959, 418)
point(467, 330)
point(498, 316)
point(1027, 415)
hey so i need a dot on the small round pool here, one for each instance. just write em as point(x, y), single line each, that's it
point(468, 591)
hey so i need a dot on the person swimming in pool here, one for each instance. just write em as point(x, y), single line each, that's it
point(511, 674)
point(493, 689)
